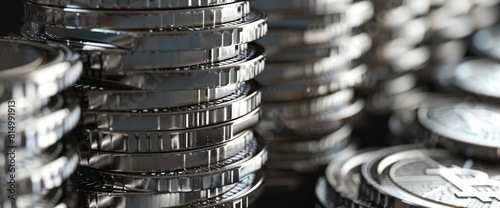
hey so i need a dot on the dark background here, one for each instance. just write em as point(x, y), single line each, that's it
point(11, 17)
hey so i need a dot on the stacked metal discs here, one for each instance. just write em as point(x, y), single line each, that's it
point(452, 161)
point(415, 45)
point(399, 30)
point(168, 101)
point(451, 24)
point(472, 78)
point(315, 51)
point(36, 117)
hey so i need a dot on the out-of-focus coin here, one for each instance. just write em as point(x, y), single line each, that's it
point(478, 77)
point(468, 128)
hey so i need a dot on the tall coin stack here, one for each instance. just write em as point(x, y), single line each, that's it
point(168, 99)
point(315, 51)
point(36, 118)
point(399, 30)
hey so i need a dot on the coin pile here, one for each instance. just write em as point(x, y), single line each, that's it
point(440, 31)
point(37, 114)
point(473, 78)
point(452, 161)
point(315, 51)
point(451, 23)
point(168, 99)
point(399, 30)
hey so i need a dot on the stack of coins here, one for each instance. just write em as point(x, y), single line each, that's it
point(399, 30)
point(168, 99)
point(315, 58)
point(455, 147)
point(472, 78)
point(436, 32)
point(36, 118)
point(451, 24)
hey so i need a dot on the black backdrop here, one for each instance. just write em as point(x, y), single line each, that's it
point(11, 17)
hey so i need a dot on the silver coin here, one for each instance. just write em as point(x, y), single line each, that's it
point(239, 196)
point(132, 4)
point(310, 143)
point(207, 113)
point(209, 176)
point(376, 189)
point(322, 194)
point(478, 77)
point(161, 141)
point(283, 20)
point(484, 17)
point(434, 178)
point(36, 132)
point(317, 7)
point(77, 18)
point(308, 87)
point(307, 107)
point(484, 42)
point(343, 176)
point(48, 198)
point(308, 163)
point(294, 36)
point(166, 161)
point(241, 68)
point(25, 61)
point(447, 26)
point(250, 28)
point(107, 96)
point(467, 128)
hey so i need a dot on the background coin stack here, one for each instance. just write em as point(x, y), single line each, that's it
point(315, 51)
point(452, 159)
point(451, 23)
point(415, 45)
point(399, 30)
point(461, 65)
point(168, 101)
point(36, 118)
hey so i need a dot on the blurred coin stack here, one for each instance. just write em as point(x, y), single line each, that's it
point(36, 118)
point(315, 51)
point(451, 24)
point(474, 77)
point(399, 30)
point(454, 135)
point(415, 45)
point(168, 99)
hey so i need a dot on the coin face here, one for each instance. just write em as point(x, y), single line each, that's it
point(446, 179)
point(478, 76)
point(477, 125)
point(409, 176)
